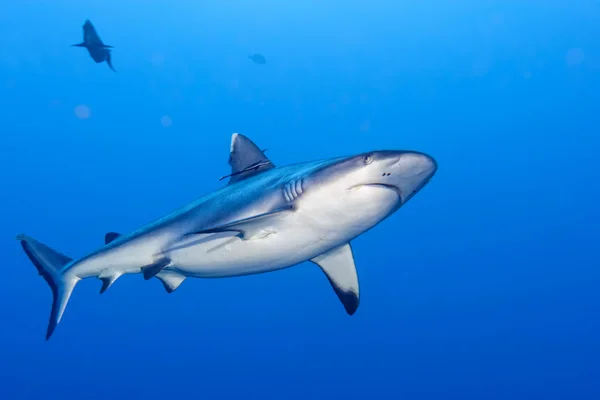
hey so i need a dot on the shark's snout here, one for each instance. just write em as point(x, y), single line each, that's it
point(411, 172)
point(405, 172)
point(414, 163)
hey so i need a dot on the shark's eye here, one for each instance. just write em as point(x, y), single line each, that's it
point(368, 159)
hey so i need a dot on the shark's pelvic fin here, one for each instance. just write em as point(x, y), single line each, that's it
point(50, 264)
point(111, 236)
point(151, 270)
point(246, 159)
point(255, 227)
point(170, 279)
point(338, 266)
point(108, 278)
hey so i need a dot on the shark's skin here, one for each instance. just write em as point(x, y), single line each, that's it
point(99, 51)
point(265, 219)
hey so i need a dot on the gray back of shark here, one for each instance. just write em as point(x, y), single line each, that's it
point(265, 219)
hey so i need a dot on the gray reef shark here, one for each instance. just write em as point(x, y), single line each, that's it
point(91, 41)
point(266, 218)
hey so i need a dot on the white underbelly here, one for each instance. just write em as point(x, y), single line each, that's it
point(236, 256)
point(313, 228)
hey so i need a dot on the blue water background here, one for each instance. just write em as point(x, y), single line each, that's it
point(484, 286)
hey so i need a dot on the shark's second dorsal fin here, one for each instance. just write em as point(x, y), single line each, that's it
point(246, 159)
point(111, 236)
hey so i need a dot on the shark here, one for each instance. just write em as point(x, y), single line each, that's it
point(98, 50)
point(266, 218)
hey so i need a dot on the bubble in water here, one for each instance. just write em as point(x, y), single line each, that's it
point(481, 67)
point(234, 84)
point(166, 121)
point(497, 19)
point(365, 126)
point(82, 111)
point(158, 60)
point(575, 56)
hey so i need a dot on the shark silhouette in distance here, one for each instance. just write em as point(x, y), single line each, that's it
point(91, 41)
point(265, 219)
point(258, 58)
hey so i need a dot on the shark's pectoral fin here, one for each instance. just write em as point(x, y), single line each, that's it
point(170, 279)
point(108, 277)
point(209, 242)
point(111, 236)
point(338, 266)
point(151, 270)
point(256, 227)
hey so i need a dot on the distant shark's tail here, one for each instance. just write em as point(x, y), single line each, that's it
point(109, 61)
point(50, 265)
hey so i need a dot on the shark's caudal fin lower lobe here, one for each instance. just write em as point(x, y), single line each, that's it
point(50, 265)
point(109, 61)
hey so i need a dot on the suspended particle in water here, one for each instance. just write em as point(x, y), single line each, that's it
point(365, 126)
point(575, 57)
point(158, 60)
point(166, 121)
point(82, 111)
point(497, 19)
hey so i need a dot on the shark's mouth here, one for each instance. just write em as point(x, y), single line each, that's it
point(385, 186)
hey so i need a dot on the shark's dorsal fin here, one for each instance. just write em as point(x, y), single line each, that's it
point(338, 266)
point(110, 237)
point(246, 159)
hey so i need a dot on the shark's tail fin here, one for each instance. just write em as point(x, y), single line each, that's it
point(109, 61)
point(50, 265)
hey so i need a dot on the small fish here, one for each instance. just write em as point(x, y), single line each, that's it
point(257, 58)
point(91, 41)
